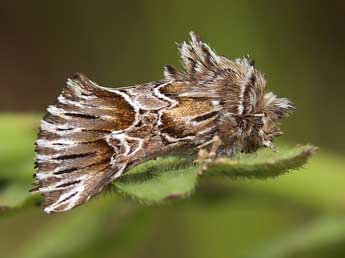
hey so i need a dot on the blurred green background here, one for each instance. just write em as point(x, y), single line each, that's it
point(299, 45)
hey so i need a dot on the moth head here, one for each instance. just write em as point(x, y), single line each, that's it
point(257, 112)
point(265, 121)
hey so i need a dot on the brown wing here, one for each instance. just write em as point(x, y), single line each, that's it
point(75, 155)
point(190, 117)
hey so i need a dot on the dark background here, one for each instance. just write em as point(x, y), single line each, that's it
point(299, 45)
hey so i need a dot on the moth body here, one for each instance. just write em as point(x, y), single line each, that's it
point(92, 135)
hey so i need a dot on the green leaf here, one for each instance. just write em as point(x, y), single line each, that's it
point(263, 164)
point(159, 180)
point(175, 177)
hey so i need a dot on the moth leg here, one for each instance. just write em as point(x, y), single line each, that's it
point(205, 144)
point(205, 156)
point(211, 154)
point(214, 147)
point(268, 143)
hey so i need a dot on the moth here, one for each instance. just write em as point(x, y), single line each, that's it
point(93, 134)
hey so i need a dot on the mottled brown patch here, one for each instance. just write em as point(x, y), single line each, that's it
point(51, 197)
point(46, 166)
point(175, 88)
point(42, 134)
point(144, 95)
point(98, 102)
point(90, 169)
point(189, 107)
point(177, 121)
point(52, 119)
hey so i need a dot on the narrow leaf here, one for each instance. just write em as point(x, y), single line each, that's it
point(263, 164)
point(158, 180)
